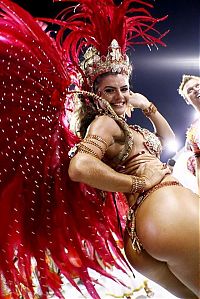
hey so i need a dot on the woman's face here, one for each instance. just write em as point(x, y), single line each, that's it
point(192, 92)
point(115, 89)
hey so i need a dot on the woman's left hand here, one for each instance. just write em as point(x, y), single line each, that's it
point(137, 100)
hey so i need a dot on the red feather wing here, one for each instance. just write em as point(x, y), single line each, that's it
point(42, 212)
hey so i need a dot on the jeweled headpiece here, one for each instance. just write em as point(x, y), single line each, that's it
point(101, 32)
point(115, 61)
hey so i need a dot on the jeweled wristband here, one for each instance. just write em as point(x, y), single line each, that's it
point(138, 184)
point(150, 110)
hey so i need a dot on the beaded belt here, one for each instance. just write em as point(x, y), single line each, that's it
point(131, 216)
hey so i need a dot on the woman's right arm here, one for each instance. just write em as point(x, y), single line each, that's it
point(92, 171)
point(86, 168)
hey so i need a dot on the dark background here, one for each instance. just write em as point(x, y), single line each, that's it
point(157, 73)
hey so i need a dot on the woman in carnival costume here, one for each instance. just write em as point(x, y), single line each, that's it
point(76, 225)
point(189, 89)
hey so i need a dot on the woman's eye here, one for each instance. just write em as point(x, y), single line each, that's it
point(109, 90)
point(124, 89)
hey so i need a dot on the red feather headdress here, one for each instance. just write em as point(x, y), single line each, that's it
point(108, 30)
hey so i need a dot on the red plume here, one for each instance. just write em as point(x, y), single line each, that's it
point(97, 23)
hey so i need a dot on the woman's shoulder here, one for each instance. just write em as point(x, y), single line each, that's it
point(104, 117)
point(105, 121)
point(106, 127)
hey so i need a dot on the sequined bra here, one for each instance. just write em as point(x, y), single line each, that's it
point(151, 143)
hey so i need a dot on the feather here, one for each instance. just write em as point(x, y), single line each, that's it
point(99, 22)
point(44, 215)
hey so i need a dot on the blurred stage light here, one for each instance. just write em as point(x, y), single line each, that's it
point(196, 115)
point(172, 146)
point(175, 62)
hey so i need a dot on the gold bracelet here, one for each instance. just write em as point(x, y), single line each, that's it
point(86, 150)
point(150, 110)
point(90, 140)
point(99, 139)
point(138, 184)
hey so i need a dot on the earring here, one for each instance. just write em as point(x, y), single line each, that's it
point(129, 110)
